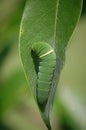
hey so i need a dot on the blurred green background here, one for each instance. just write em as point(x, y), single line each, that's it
point(18, 110)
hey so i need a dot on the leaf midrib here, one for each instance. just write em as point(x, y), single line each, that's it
point(55, 29)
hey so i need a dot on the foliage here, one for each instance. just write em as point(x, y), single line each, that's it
point(52, 22)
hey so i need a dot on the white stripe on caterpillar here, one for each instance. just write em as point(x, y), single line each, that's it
point(47, 53)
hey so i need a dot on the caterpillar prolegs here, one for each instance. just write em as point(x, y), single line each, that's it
point(45, 61)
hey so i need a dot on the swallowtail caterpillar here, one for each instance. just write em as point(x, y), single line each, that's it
point(45, 60)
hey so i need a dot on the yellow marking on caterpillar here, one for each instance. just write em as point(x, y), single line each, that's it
point(47, 53)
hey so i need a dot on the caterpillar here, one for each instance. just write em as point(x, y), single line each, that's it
point(45, 60)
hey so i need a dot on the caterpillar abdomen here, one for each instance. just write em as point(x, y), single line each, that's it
point(45, 69)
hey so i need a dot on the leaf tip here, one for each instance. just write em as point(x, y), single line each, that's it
point(46, 120)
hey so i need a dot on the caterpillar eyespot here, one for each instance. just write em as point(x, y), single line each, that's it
point(44, 58)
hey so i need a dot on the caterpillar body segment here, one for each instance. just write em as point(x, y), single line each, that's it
point(47, 61)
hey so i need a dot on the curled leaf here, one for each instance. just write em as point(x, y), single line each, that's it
point(51, 22)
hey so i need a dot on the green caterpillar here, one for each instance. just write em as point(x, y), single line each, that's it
point(45, 60)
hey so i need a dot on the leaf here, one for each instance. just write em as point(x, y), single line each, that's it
point(51, 21)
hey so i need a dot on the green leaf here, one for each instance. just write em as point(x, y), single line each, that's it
point(53, 22)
